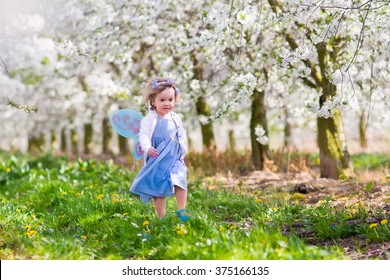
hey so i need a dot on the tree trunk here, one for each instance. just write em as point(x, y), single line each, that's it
point(258, 117)
point(74, 136)
point(203, 108)
point(106, 135)
point(334, 156)
point(63, 140)
point(87, 138)
point(362, 130)
point(35, 144)
point(124, 148)
point(287, 131)
point(232, 142)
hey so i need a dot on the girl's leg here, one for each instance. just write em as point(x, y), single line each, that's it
point(159, 205)
point(181, 201)
point(181, 198)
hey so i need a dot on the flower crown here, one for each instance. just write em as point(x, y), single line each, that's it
point(165, 83)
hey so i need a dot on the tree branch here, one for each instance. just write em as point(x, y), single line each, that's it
point(360, 40)
point(26, 108)
point(4, 66)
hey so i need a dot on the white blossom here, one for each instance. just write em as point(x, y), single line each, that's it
point(242, 17)
point(261, 135)
point(312, 107)
point(195, 85)
point(337, 77)
point(203, 119)
point(324, 112)
point(304, 71)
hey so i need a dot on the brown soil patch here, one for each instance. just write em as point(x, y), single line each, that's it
point(313, 190)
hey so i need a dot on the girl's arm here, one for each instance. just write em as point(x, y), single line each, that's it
point(182, 135)
point(145, 132)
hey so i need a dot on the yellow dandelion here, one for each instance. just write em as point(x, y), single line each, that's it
point(180, 231)
point(27, 227)
point(275, 209)
point(384, 222)
point(115, 200)
point(259, 200)
point(8, 170)
point(114, 195)
point(83, 168)
point(84, 237)
point(100, 196)
point(31, 233)
point(233, 227)
point(373, 225)
point(145, 223)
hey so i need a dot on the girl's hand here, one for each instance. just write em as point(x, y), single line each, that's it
point(152, 152)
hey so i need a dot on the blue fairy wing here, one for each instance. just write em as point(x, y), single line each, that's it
point(126, 122)
point(138, 153)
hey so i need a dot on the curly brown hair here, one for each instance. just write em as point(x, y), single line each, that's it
point(155, 86)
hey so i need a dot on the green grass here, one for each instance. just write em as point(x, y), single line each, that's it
point(55, 209)
point(372, 161)
point(360, 161)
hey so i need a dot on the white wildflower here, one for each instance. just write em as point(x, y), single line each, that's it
point(242, 17)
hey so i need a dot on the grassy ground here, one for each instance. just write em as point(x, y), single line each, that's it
point(52, 208)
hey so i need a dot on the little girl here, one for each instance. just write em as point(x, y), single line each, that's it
point(164, 141)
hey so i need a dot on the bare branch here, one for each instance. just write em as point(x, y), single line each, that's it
point(360, 7)
point(25, 108)
point(307, 21)
point(4, 65)
point(370, 101)
point(360, 41)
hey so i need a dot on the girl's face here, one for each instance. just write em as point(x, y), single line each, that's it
point(164, 101)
